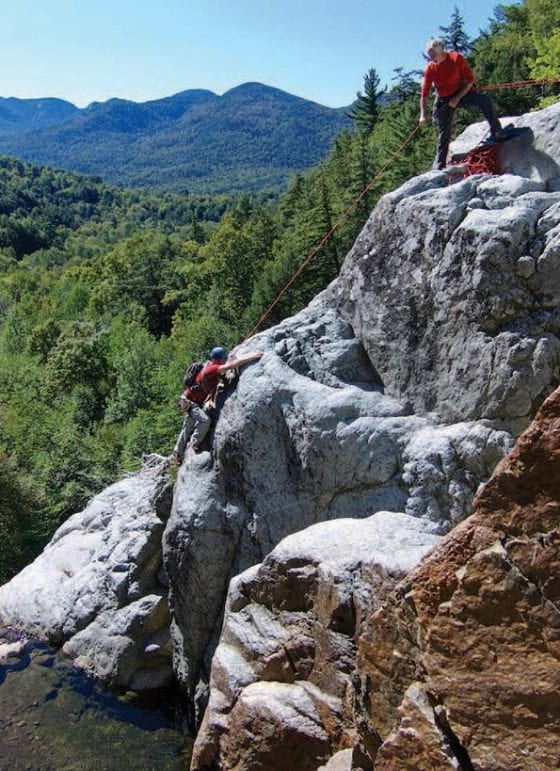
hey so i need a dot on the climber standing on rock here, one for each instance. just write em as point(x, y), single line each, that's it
point(197, 399)
point(450, 74)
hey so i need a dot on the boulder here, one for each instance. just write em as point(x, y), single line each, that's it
point(10, 650)
point(281, 692)
point(97, 584)
point(474, 681)
point(128, 647)
point(398, 388)
point(454, 292)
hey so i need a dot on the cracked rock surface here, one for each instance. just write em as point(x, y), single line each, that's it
point(474, 681)
point(454, 291)
point(281, 684)
point(398, 388)
point(98, 586)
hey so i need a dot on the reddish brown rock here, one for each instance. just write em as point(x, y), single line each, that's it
point(461, 667)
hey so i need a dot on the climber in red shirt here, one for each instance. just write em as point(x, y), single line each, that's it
point(454, 82)
point(197, 421)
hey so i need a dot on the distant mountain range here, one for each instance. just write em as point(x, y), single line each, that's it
point(253, 138)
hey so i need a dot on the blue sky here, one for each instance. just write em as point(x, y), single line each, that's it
point(93, 50)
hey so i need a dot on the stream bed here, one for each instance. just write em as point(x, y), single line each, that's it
point(53, 717)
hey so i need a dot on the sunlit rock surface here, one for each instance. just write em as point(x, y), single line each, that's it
point(398, 388)
point(281, 685)
point(537, 160)
point(98, 586)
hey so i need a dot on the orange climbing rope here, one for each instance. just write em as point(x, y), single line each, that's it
point(327, 235)
point(518, 84)
point(480, 160)
point(487, 164)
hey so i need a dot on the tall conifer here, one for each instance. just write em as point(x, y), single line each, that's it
point(454, 36)
point(366, 108)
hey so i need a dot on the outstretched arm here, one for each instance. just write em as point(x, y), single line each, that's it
point(236, 363)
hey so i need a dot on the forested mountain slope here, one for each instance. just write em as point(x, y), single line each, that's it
point(253, 138)
point(19, 115)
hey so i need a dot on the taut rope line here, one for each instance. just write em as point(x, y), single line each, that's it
point(327, 235)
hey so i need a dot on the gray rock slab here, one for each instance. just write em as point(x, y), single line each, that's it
point(293, 448)
point(454, 292)
point(538, 159)
point(398, 388)
point(96, 573)
point(129, 647)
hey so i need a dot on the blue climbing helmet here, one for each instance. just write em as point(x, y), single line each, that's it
point(219, 353)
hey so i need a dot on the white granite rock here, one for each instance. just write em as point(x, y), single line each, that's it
point(399, 387)
point(434, 290)
point(100, 569)
point(295, 445)
point(129, 647)
point(537, 160)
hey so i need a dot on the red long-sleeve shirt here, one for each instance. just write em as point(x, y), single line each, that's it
point(208, 378)
point(448, 76)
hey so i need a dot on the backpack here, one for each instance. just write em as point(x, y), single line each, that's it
point(189, 378)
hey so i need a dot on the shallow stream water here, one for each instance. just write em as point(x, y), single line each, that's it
point(53, 717)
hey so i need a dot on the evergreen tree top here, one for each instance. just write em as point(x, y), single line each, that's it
point(454, 35)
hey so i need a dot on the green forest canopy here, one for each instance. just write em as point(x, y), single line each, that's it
point(106, 294)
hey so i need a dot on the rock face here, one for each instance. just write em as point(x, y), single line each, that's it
point(398, 388)
point(457, 666)
point(454, 290)
point(474, 682)
point(99, 588)
point(291, 451)
point(281, 685)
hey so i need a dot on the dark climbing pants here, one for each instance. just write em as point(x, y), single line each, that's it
point(443, 114)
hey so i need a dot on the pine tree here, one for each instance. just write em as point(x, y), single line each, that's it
point(454, 36)
point(407, 85)
point(366, 108)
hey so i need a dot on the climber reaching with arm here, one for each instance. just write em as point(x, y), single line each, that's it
point(210, 380)
point(201, 396)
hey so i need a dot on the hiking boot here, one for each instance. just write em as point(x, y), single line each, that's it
point(497, 133)
point(489, 140)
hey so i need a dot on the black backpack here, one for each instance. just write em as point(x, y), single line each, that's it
point(189, 378)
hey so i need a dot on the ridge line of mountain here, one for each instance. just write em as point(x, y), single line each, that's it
point(252, 138)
